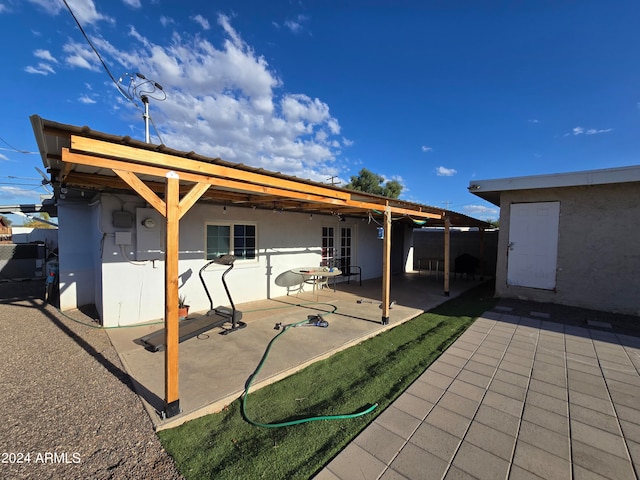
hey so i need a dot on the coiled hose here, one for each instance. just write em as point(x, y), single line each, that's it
point(301, 420)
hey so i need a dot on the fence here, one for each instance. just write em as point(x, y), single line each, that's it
point(428, 249)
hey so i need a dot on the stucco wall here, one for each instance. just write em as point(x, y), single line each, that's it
point(598, 247)
point(127, 290)
point(76, 253)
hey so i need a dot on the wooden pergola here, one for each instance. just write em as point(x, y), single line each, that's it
point(171, 181)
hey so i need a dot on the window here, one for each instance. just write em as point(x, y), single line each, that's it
point(327, 246)
point(244, 241)
point(236, 239)
point(345, 245)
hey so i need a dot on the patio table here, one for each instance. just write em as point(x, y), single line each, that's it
point(316, 276)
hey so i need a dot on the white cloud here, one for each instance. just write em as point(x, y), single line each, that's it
point(534, 121)
point(132, 3)
point(41, 69)
point(12, 192)
point(203, 22)
point(445, 172)
point(81, 56)
point(400, 180)
point(302, 107)
point(426, 149)
point(44, 55)
point(482, 212)
point(3, 8)
point(84, 10)
point(86, 99)
point(591, 131)
point(296, 25)
point(166, 21)
point(3, 157)
point(227, 102)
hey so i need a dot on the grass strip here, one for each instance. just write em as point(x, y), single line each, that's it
point(225, 446)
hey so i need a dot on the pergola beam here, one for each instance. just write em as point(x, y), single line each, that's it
point(328, 200)
point(136, 155)
point(145, 192)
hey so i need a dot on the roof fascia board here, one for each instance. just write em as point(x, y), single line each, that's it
point(88, 160)
point(160, 171)
point(570, 179)
point(177, 163)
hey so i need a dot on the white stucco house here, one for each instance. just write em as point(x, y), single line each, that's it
point(569, 238)
point(111, 197)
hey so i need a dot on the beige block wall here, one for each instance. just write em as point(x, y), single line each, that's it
point(598, 247)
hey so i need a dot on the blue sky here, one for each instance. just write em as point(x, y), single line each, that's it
point(433, 94)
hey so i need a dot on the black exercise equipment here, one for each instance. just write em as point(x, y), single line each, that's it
point(215, 317)
point(225, 314)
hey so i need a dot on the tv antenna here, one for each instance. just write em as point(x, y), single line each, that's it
point(142, 88)
point(45, 182)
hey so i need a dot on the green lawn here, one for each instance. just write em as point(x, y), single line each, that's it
point(226, 446)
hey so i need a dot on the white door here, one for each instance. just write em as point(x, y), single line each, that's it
point(533, 245)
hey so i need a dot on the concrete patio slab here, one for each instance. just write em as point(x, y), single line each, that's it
point(213, 368)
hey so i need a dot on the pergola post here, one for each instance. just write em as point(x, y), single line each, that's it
point(482, 263)
point(447, 259)
point(171, 364)
point(386, 266)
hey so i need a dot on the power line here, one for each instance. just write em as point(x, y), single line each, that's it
point(14, 149)
point(332, 180)
point(113, 79)
point(95, 50)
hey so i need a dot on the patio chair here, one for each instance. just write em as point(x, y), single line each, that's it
point(349, 270)
point(293, 282)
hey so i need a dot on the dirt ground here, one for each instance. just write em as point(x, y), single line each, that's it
point(68, 408)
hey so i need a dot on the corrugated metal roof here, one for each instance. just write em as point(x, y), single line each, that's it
point(52, 137)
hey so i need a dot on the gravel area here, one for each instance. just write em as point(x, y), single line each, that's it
point(68, 408)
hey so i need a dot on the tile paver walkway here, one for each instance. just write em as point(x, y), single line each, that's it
point(515, 398)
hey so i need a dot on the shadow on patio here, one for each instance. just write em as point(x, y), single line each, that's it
point(214, 368)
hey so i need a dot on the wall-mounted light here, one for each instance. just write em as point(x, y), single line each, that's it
point(224, 210)
point(149, 223)
point(311, 216)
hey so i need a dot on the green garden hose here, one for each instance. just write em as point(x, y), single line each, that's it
point(301, 420)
